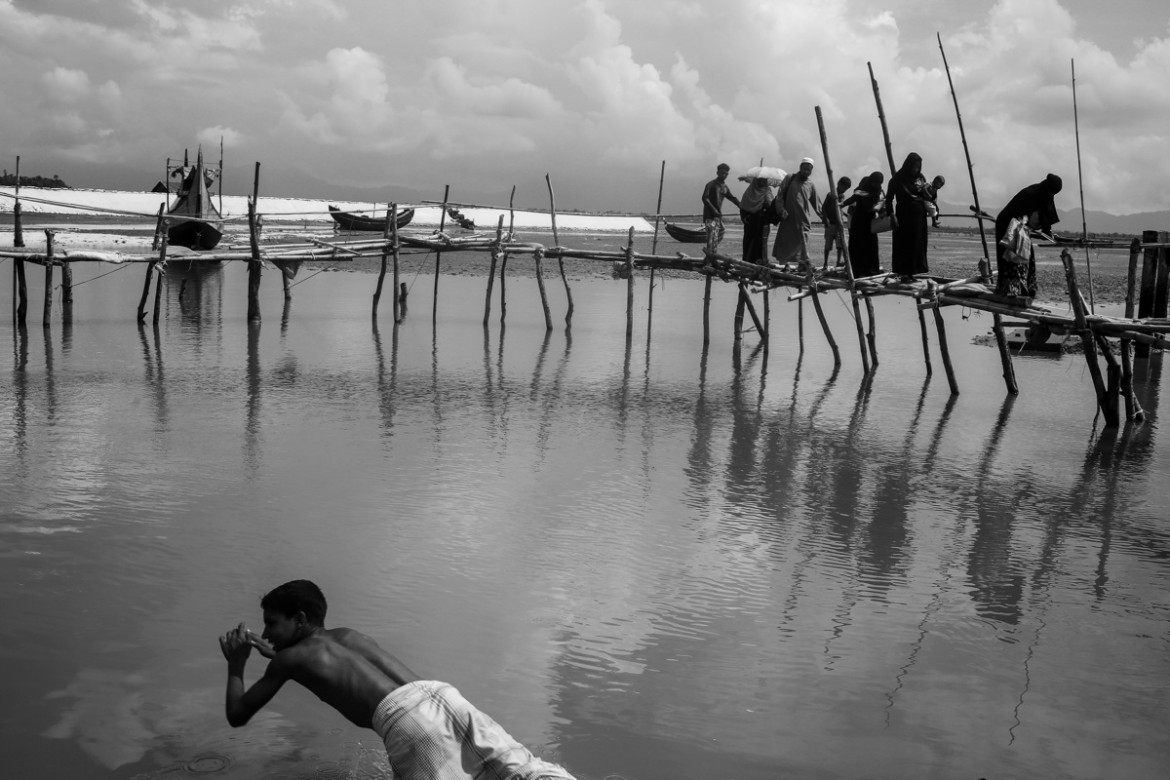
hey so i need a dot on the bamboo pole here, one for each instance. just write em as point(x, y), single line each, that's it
point(254, 266)
point(871, 336)
point(390, 220)
point(1081, 186)
point(160, 226)
point(504, 261)
point(21, 289)
point(845, 249)
point(399, 308)
point(66, 290)
point(1005, 355)
point(438, 255)
point(497, 251)
point(945, 351)
point(145, 291)
point(707, 312)
point(1087, 341)
point(1133, 408)
point(46, 319)
point(17, 229)
point(560, 260)
point(158, 279)
point(630, 285)
point(538, 259)
point(800, 324)
point(737, 321)
point(877, 96)
point(654, 249)
point(19, 284)
point(816, 299)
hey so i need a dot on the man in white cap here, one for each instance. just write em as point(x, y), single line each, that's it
point(795, 206)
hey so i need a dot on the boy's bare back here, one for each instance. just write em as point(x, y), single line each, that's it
point(343, 667)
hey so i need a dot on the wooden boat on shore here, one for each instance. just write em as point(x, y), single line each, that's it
point(347, 221)
point(687, 235)
point(1033, 337)
point(193, 220)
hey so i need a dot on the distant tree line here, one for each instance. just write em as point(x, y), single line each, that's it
point(9, 180)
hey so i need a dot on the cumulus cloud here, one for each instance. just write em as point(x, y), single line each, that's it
point(596, 90)
point(211, 136)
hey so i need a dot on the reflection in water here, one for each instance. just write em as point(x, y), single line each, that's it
point(756, 581)
point(20, 398)
point(387, 380)
point(997, 587)
point(156, 380)
point(198, 290)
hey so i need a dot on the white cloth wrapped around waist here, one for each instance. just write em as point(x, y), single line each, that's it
point(432, 733)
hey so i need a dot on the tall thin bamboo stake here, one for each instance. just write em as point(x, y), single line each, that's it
point(46, 320)
point(220, 182)
point(497, 251)
point(654, 248)
point(944, 350)
point(438, 256)
point(630, 285)
point(390, 220)
point(1005, 355)
point(399, 308)
point(1081, 186)
point(66, 290)
point(845, 249)
point(158, 280)
point(816, 299)
point(145, 291)
point(504, 261)
point(538, 260)
point(254, 265)
point(17, 229)
point(1087, 341)
point(1133, 409)
point(706, 311)
point(871, 336)
point(19, 286)
point(877, 96)
point(560, 259)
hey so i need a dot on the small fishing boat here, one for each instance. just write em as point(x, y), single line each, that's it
point(687, 235)
point(1033, 337)
point(193, 220)
point(347, 221)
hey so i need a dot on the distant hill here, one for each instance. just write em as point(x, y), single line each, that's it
point(1070, 221)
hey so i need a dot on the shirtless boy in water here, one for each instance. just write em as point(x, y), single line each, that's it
point(430, 731)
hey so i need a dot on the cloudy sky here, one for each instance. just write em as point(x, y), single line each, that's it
point(405, 97)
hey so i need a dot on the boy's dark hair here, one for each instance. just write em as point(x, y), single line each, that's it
point(297, 596)
point(844, 182)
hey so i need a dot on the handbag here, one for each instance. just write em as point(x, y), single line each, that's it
point(1017, 242)
point(883, 223)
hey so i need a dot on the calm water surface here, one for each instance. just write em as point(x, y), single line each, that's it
point(645, 561)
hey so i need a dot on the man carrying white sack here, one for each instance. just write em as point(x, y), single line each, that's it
point(430, 731)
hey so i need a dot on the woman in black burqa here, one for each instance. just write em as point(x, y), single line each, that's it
point(1035, 205)
point(755, 206)
point(863, 242)
point(906, 186)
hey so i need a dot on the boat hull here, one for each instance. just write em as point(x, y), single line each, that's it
point(348, 221)
point(199, 236)
point(686, 235)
